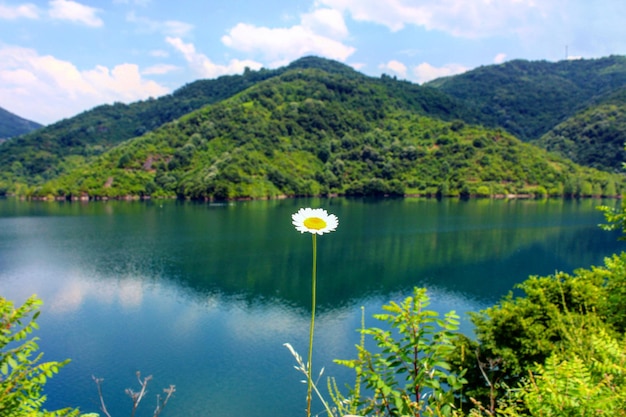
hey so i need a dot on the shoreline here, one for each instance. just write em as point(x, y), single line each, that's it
point(87, 198)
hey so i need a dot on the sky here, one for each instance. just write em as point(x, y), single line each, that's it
point(59, 58)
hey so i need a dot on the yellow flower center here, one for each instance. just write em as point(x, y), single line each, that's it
point(314, 223)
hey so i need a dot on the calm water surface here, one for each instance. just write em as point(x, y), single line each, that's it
point(203, 296)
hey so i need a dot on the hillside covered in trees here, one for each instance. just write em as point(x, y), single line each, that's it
point(13, 125)
point(550, 105)
point(42, 155)
point(311, 132)
point(595, 137)
point(528, 98)
point(319, 127)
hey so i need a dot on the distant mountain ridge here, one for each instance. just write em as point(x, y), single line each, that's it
point(528, 98)
point(44, 154)
point(594, 137)
point(312, 132)
point(534, 95)
point(12, 125)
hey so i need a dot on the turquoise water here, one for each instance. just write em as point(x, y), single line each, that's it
point(203, 296)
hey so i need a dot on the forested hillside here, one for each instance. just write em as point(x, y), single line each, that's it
point(13, 125)
point(530, 98)
point(595, 137)
point(318, 126)
point(311, 132)
point(46, 153)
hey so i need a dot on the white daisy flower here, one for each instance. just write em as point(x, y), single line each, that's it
point(315, 221)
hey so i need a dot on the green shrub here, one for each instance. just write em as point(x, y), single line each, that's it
point(410, 372)
point(22, 374)
point(557, 320)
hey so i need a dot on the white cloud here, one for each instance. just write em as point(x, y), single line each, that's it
point(320, 32)
point(46, 89)
point(168, 27)
point(121, 83)
point(203, 66)
point(284, 44)
point(393, 14)
point(425, 72)
point(500, 58)
point(28, 11)
point(394, 66)
point(358, 65)
point(458, 17)
point(326, 22)
point(75, 12)
point(187, 49)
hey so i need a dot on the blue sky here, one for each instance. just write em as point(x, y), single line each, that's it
point(61, 57)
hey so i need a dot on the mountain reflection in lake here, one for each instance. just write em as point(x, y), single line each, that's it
point(203, 296)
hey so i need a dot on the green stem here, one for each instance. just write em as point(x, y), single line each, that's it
point(310, 363)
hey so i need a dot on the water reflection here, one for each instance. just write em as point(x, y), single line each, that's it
point(221, 351)
point(203, 296)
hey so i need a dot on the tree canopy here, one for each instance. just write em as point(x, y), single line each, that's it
point(319, 127)
point(310, 132)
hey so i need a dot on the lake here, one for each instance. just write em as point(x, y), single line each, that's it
point(203, 296)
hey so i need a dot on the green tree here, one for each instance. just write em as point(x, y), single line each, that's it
point(585, 378)
point(616, 219)
point(555, 320)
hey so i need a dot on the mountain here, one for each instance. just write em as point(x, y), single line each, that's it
point(45, 153)
point(48, 152)
point(530, 98)
point(595, 137)
point(309, 131)
point(318, 126)
point(12, 125)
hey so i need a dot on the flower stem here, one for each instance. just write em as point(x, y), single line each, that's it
point(310, 363)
